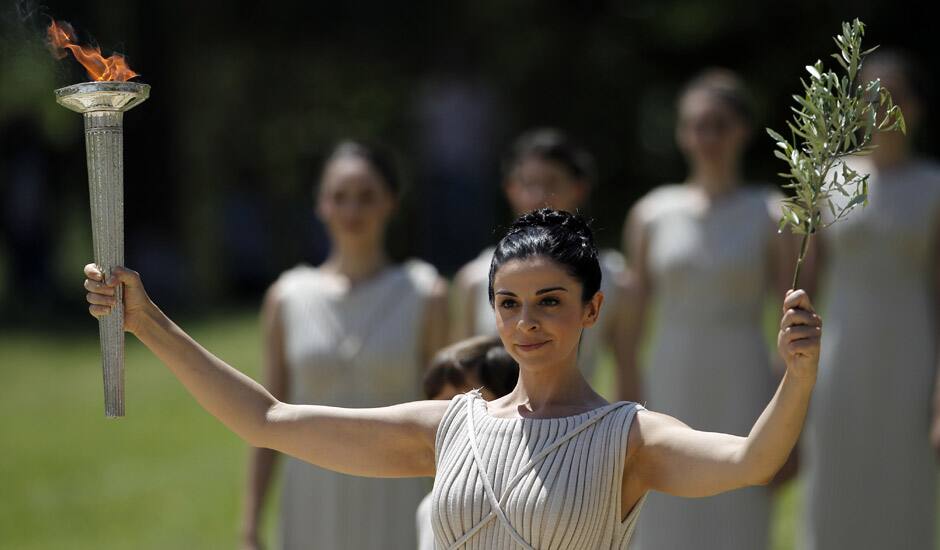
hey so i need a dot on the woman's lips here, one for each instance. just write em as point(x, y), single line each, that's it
point(530, 347)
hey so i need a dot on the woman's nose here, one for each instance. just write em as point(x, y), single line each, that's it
point(527, 322)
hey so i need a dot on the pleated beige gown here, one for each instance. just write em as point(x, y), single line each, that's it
point(710, 362)
point(524, 483)
point(356, 347)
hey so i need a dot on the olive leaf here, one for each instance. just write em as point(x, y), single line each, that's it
point(834, 118)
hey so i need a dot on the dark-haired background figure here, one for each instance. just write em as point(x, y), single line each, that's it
point(351, 332)
point(704, 258)
point(480, 363)
point(545, 168)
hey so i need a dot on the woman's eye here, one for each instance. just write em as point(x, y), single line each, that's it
point(507, 304)
point(550, 302)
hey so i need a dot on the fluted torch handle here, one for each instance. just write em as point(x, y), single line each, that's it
point(104, 147)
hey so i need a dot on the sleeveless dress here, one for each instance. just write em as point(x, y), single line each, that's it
point(356, 347)
point(484, 321)
point(871, 476)
point(710, 362)
point(550, 483)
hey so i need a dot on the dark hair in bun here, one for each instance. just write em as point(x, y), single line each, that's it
point(561, 236)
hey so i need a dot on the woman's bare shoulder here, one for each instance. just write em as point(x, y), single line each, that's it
point(648, 427)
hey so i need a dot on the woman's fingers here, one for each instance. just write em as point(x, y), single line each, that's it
point(800, 332)
point(100, 296)
point(794, 317)
point(100, 299)
point(801, 339)
point(805, 346)
point(118, 275)
point(99, 311)
point(92, 272)
point(98, 287)
point(797, 299)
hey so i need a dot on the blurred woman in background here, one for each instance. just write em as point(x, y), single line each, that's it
point(871, 474)
point(480, 363)
point(351, 332)
point(705, 255)
point(546, 169)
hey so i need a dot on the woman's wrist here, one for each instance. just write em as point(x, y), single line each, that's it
point(150, 319)
point(800, 376)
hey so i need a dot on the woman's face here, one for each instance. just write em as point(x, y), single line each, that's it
point(353, 202)
point(539, 311)
point(709, 131)
point(536, 183)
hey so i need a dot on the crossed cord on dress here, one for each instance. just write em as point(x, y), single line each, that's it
point(497, 503)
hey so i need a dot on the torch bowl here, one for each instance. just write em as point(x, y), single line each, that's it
point(102, 96)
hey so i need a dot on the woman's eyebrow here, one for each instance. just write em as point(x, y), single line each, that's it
point(551, 289)
point(503, 292)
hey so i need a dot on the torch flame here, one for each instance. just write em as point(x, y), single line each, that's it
point(61, 37)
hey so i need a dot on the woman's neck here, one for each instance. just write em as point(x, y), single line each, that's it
point(715, 181)
point(890, 151)
point(552, 391)
point(355, 263)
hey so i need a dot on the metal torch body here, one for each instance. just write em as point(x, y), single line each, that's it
point(102, 105)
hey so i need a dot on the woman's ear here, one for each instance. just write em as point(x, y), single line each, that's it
point(592, 309)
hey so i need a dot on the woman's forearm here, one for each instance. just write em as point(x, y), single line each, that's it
point(260, 472)
point(234, 398)
point(777, 430)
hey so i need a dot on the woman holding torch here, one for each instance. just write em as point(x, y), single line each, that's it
point(552, 464)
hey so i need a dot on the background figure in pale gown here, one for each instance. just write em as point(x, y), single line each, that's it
point(353, 332)
point(546, 169)
point(481, 363)
point(871, 474)
point(705, 255)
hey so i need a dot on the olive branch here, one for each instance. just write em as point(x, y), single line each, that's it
point(833, 119)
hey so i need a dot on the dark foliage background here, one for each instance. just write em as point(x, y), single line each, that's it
point(248, 96)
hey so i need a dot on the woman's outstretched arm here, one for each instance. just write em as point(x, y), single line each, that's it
point(668, 456)
point(396, 441)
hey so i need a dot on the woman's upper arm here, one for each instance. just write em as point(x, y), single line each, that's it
point(464, 304)
point(436, 322)
point(394, 441)
point(636, 284)
point(668, 456)
point(274, 365)
point(636, 250)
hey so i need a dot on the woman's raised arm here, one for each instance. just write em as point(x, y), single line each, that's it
point(668, 456)
point(396, 441)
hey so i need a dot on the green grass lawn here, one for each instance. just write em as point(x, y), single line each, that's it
point(166, 476)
